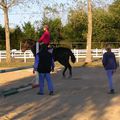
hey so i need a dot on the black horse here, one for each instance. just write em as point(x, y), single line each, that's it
point(60, 54)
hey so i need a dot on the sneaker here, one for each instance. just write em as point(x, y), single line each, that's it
point(111, 91)
point(39, 93)
point(51, 93)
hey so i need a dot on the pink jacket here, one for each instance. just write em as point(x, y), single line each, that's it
point(45, 38)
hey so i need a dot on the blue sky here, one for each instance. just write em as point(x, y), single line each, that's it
point(19, 15)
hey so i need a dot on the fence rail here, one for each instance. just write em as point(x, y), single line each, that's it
point(17, 54)
point(96, 53)
point(79, 53)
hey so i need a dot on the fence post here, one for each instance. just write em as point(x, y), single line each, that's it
point(96, 52)
point(119, 55)
point(77, 55)
point(0, 56)
point(12, 53)
point(75, 52)
point(25, 57)
point(103, 51)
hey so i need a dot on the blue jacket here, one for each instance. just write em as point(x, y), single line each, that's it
point(109, 61)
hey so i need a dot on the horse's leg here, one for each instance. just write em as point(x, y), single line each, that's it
point(64, 71)
point(64, 63)
point(67, 65)
point(70, 70)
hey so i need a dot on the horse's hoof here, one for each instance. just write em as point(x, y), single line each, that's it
point(64, 76)
point(70, 76)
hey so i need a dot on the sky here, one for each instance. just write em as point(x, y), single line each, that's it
point(18, 15)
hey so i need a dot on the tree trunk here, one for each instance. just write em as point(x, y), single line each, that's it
point(7, 35)
point(89, 34)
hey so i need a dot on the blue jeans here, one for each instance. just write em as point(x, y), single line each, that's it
point(109, 75)
point(46, 76)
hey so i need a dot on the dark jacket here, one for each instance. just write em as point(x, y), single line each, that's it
point(44, 62)
point(109, 61)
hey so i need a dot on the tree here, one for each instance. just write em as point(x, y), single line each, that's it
point(2, 33)
point(77, 25)
point(89, 34)
point(106, 24)
point(15, 38)
point(55, 27)
point(2, 37)
point(29, 31)
point(5, 5)
point(114, 10)
point(51, 17)
point(100, 26)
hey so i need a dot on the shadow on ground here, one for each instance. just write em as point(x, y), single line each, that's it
point(82, 97)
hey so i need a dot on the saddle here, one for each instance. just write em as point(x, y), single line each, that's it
point(50, 50)
point(38, 47)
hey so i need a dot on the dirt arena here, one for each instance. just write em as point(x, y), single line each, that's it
point(82, 97)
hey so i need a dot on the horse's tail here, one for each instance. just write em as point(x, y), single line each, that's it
point(73, 59)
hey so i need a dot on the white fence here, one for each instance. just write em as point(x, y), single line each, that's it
point(17, 54)
point(96, 53)
point(79, 53)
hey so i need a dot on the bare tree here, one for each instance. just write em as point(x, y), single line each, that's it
point(88, 3)
point(89, 34)
point(5, 5)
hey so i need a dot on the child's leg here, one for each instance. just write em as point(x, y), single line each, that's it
point(41, 82)
point(109, 75)
point(49, 81)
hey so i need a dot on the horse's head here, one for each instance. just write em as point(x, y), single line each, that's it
point(27, 44)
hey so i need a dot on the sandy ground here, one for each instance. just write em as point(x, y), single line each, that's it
point(82, 97)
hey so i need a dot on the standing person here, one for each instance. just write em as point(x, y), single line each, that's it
point(110, 65)
point(44, 64)
point(45, 38)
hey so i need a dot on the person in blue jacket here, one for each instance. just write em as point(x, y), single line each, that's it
point(44, 64)
point(110, 65)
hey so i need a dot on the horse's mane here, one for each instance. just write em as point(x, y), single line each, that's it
point(30, 41)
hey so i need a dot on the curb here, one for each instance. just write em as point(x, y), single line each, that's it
point(15, 69)
point(13, 91)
